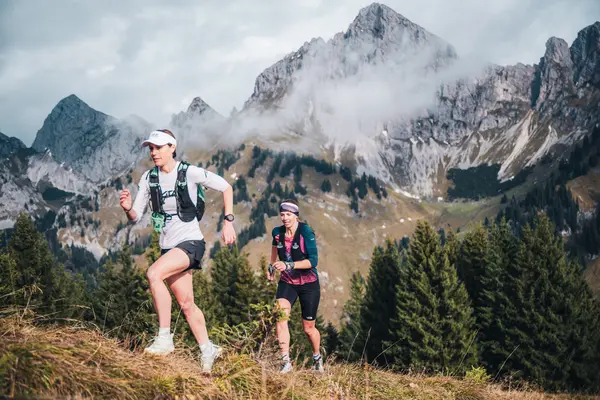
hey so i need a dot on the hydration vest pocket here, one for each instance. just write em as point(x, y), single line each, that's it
point(158, 221)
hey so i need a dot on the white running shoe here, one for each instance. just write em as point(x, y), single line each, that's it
point(286, 367)
point(161, 345)
point(208, 359)
point(318, 364)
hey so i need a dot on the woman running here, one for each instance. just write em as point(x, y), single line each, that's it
point(171, 189)
point(295, 245)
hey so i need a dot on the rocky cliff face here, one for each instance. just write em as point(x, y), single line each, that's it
point(90, 142)
point(10, 145)
point(585, 53)
point(510, 115)
point(386, 112)
point(17, 192)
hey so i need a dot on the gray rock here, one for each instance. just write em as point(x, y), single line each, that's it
point(585, 53)
point(94, 144)
point(554, 75)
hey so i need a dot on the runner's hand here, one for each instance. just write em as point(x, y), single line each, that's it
point(125, 199)
point(279, 266)
point(228, 233)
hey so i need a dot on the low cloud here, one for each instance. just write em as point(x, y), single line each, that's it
point(151, 59)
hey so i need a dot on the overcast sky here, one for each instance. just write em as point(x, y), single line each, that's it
point(151, 58)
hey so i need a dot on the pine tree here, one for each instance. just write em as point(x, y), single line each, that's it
point(8, 281)
point(123, 302)
point(266, 289)
point(235, 286)
point(331, 339)
point(379, 304)
point(493, 302)
point(452, 247)
point(442, 234)
point(223, 283)
point(58, 293)
point(350, 341)
point(204, 297)
point(326, 186)
point(553, 324)
point(246, 291)
point(471, 261)
point(153, 253)
point(434, 325)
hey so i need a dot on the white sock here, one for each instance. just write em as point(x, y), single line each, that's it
point(164, 332)
point(285, 358)
point(316, 356)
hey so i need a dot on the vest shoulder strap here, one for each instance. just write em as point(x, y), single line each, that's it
point(182, 173)
point(155, 191)
point(296, 234)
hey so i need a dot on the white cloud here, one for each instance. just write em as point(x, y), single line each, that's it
point(151, 58)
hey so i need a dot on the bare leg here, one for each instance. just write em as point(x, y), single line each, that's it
point(172, 262)
point(282, 329)
point(313, 335)
point(181, 285)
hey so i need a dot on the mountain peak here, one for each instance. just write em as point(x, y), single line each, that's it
point(197, 116)
point(71, 100)
point(198, 105)
point(378, 19)
point(377, 37)
point(87, 139)
point(557, 50)
point(377, 10)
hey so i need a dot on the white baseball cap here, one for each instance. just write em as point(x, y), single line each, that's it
point(159, 138)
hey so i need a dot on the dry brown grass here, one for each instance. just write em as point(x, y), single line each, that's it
point(586, 190)
point(77, 362)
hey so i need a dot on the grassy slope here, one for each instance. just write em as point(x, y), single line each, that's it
point(57, 362)
point(586, 189)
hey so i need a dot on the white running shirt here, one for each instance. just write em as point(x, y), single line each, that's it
point(175, 230)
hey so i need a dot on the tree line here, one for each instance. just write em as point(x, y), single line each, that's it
point(233, 294)
point(515, 305)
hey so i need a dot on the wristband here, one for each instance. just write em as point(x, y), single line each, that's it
point(130, 208)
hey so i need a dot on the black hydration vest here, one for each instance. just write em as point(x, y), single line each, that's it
point(297, 254)
point(186, 210)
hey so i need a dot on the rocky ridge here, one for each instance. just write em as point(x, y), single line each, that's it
point(507, 115)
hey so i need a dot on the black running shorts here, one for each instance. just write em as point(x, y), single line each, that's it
point(194, 250)
point(309, 294)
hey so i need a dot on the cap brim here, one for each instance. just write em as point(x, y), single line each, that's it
point(154, 142)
